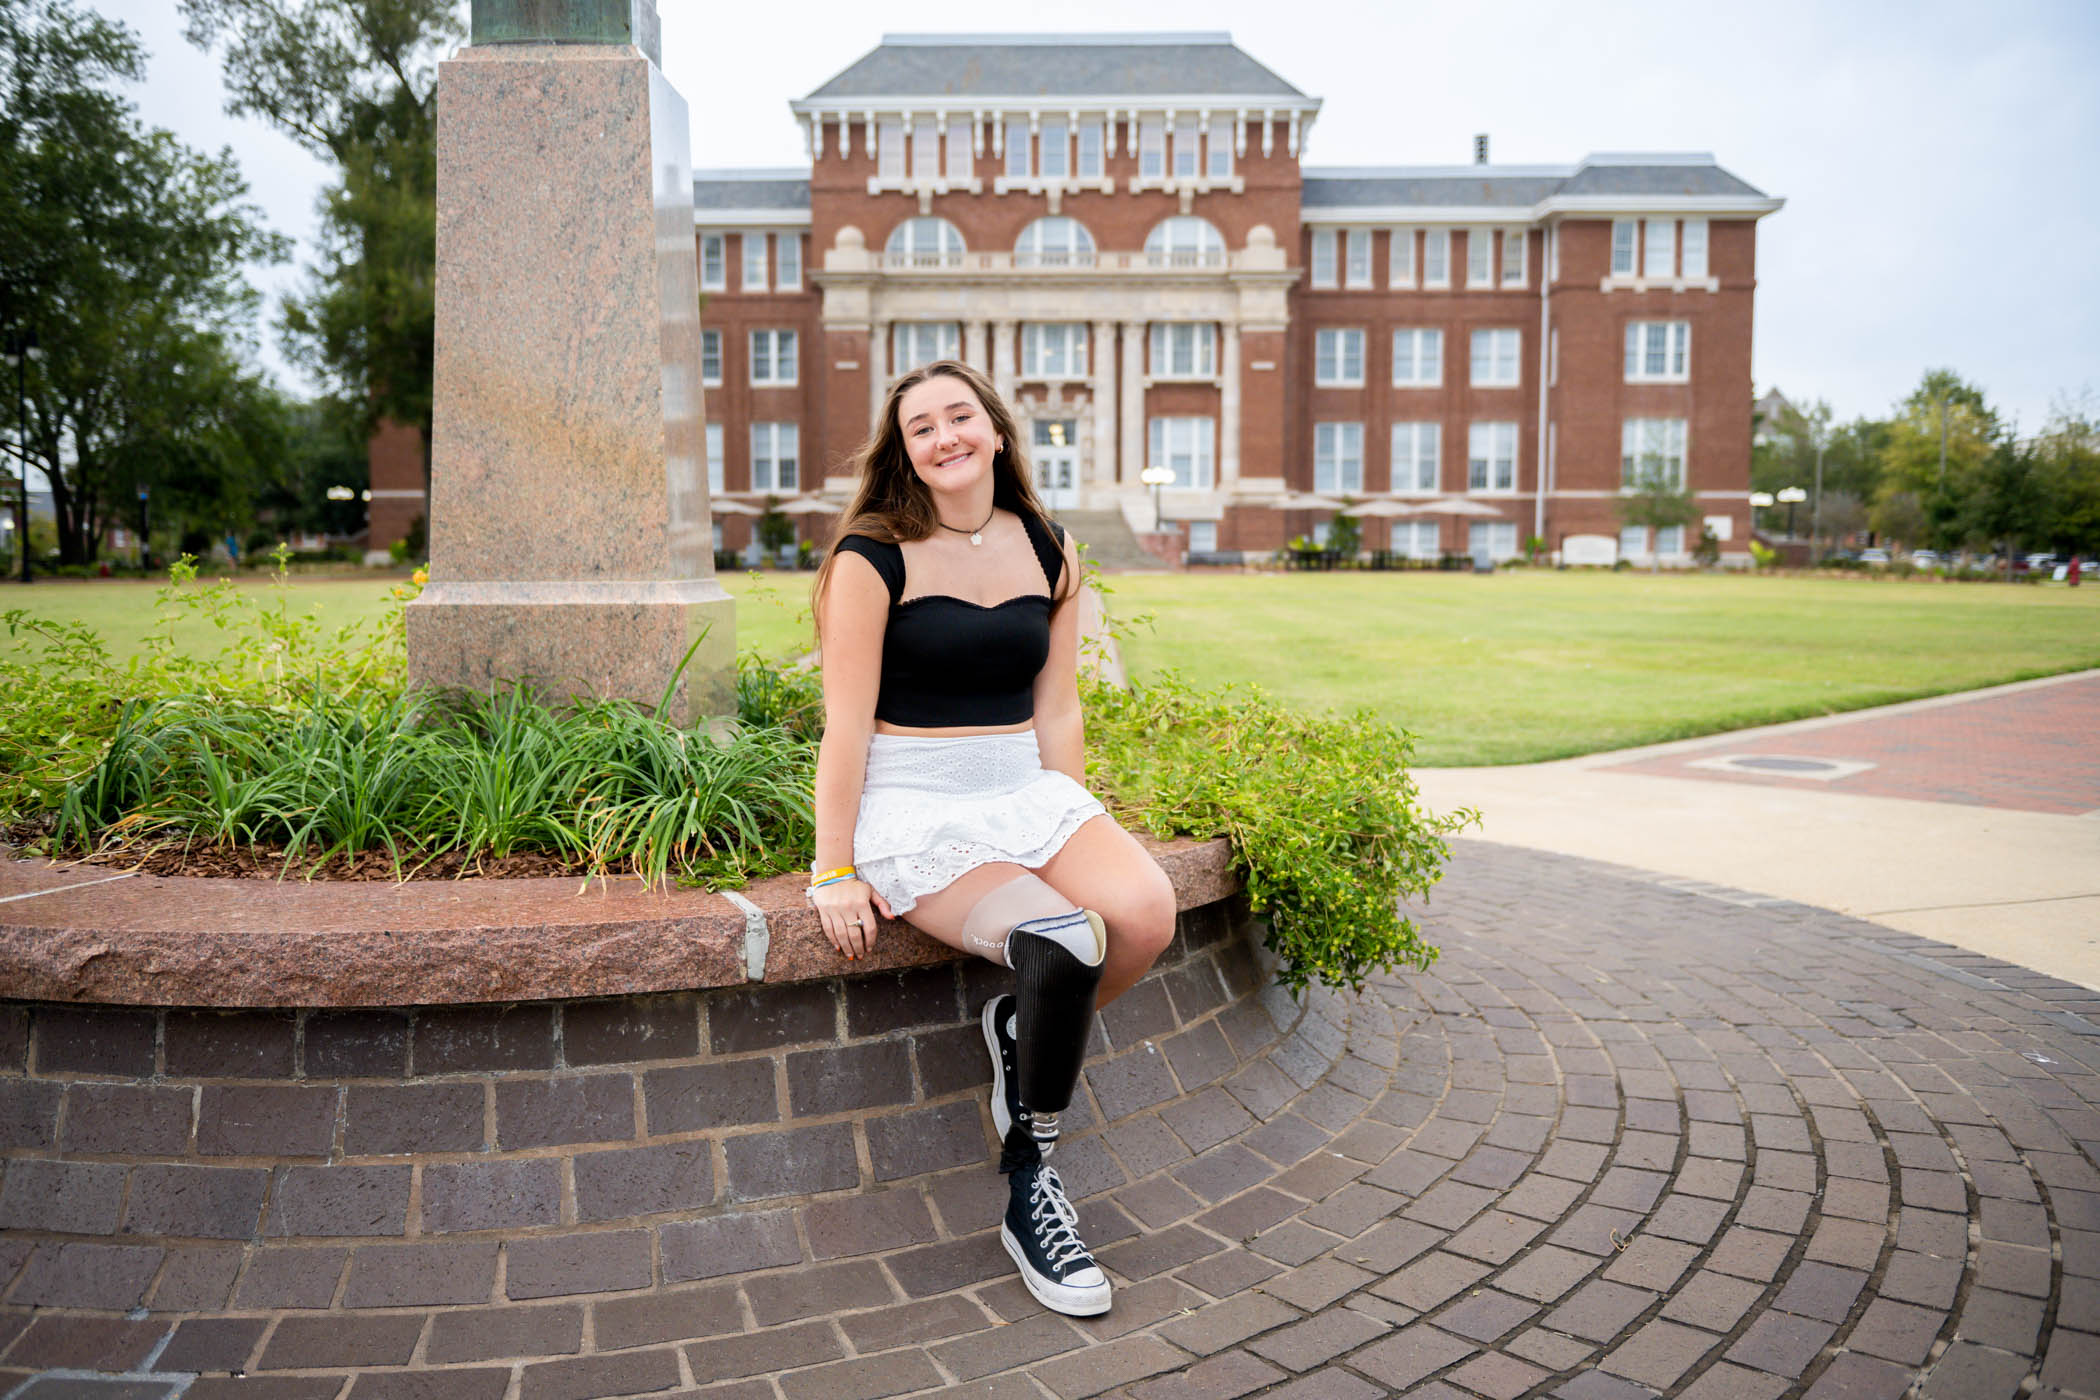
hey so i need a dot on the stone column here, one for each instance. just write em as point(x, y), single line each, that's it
point(973, 345)
point(878, 367)
point(1003, 360)
point(570, 536)
point(1101, 345)
point(1229, 409)
point(1134, 427)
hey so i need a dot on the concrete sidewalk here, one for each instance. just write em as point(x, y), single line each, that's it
point(2003, 860)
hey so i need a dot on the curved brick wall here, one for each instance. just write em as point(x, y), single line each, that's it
point(204, 1160)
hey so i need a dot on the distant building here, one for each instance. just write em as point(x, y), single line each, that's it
point(1118, 229)
point(1771, 409)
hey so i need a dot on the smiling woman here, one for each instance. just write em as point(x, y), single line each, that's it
point(950, 783)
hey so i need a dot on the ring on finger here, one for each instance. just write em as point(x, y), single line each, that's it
point(853, 923)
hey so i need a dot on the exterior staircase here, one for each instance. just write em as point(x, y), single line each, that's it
point(1109, 541)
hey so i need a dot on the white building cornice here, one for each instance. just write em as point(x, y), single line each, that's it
point(1582, 206)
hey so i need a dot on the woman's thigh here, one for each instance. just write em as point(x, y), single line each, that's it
point(1104, 869)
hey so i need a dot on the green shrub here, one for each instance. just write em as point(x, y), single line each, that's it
point(1763, 554)
point(1321, 815)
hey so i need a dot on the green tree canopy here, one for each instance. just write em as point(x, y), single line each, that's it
point(121, 250)
point(354, 82)
point(1936, 452)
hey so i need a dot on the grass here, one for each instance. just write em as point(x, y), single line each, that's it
point(1531, 665)
point(771, 612)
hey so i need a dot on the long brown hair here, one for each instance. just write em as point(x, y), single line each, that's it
point(892, 505)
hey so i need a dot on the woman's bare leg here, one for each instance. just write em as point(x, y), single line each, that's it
point(941, 915)
point(1104, 869)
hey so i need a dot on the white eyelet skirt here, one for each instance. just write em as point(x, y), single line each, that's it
point(933, 809)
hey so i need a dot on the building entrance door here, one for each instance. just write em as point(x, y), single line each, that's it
point(1057, 464)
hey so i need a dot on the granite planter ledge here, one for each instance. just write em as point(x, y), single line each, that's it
point(83, 934)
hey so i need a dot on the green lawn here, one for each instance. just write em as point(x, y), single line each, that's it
point(771, 610)
point(1511, 668)
point(1523, 665)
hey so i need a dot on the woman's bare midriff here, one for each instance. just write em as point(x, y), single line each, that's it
point(883, 726)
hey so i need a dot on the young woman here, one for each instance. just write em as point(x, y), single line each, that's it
point(950, 779)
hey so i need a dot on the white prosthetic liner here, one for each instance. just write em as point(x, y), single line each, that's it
point(1056, 950)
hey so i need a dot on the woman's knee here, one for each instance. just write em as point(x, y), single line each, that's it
point(1146, 916)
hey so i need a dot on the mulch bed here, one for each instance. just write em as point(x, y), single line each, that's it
point(175, 857)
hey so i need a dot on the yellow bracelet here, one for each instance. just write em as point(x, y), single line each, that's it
point(842, 873)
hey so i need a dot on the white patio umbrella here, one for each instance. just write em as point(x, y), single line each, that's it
point(1384, 509)
point(721, 505)
point(1307, 500)
point(807, 505)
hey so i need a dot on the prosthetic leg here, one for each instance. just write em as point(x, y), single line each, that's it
point(1056, 951)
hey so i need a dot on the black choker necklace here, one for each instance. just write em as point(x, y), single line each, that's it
point(976, 535)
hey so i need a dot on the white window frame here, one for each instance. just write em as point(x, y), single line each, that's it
point(1019, 150)
point(1696, 263)
point(1514, 243)
point(1633, 541)
point(1480, 258)
point(1421, 350)
point(1497, 360)
point(1409, 535)
point(1669, 541)
point(1185, 445)
point(1495, 538)
point(889, 150)
point(1658, 249)
point(915, 343)
point(1491, 458)
point(714, 262)
point(1338, 458)
point(1356, 258)
point(1166, 246)
point(925, 151)
point(1218, 152)
point(1188, 149)
point(709, 336)
point(948, 249)
point(1669, 342)
point(960, 157)
point(1030, 249)
point(1625, 247)
point(1203, 536)
point(787, 262)
point(1400, 258)
point(1416, 465)
point(767, 443)
point(754, 260)
point(774, 361)
point(1191, 343)
point(1091, 162)
point(1053, 156)
point(712, 445)
point(1054, 350)
point(1326, 258)
point(1152, 148)
point(1436, 258)
point(1661, 440)
point(1338, 357)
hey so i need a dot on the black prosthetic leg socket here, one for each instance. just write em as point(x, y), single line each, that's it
point(1054, 999)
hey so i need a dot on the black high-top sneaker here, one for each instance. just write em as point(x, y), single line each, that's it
point(998, 1019)
point(1041, 1232)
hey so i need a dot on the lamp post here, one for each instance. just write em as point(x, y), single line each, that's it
point(1157, 478)
point(1759, 500)
point(1790, 496)
point(21, 349)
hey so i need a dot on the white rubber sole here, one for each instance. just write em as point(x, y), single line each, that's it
point(1072, 1302)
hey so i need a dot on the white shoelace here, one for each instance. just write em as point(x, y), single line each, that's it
point(1059, 1226)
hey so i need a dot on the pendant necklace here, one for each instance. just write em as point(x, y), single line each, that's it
point(976, 535)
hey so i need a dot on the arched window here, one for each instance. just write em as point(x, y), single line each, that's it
point(1055, 243)
point(1185, 241)
point(925, 243)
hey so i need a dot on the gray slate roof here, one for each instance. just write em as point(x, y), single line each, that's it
point(749, 194)
point(1209, 65)
point(1461, 186)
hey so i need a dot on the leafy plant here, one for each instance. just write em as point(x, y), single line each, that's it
point(1318, 809)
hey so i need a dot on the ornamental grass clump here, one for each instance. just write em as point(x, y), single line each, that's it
point(1321, 815)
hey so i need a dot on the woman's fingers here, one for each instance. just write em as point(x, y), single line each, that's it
point(883, 905)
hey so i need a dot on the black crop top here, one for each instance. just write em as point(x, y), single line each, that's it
point(951, 664)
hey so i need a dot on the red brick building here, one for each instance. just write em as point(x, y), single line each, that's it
point(1120, 231)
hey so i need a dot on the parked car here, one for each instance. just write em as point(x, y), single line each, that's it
point(1925, 558)
point(1874, 557)
point(2041, 561)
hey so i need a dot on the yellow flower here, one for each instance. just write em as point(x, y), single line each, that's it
point(420, 577)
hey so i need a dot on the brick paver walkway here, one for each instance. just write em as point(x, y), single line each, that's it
point(2028, 750)
point(1629, 1137)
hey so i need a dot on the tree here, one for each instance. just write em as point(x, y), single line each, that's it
point(355, 83)
point(1936, 449)
point(1657, 499)
point(2068, 453)
point(121, 249)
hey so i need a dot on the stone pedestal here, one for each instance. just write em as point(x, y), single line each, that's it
point(570, 540)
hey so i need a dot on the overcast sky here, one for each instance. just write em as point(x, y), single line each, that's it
point(1938, 160)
